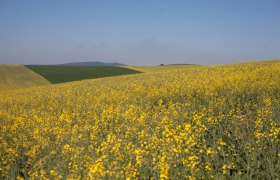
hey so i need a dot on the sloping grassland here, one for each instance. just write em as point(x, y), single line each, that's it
point(18, 76)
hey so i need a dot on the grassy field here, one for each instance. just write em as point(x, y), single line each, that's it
point(218, 122)
point(61, 74)
point(17, 76)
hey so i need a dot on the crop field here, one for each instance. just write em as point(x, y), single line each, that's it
point(17, 76)
point(219, 122)
point(61, 74)
point(161, 67)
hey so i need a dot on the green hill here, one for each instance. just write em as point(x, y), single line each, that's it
point(61, 74)
point(91, 63)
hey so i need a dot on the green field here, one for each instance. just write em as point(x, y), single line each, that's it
point(61, 74)
point(17, 76)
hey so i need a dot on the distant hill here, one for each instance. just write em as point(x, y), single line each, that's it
point(162, 67)
point(181, 64)
point(92, 63)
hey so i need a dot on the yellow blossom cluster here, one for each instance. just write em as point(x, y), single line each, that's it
point(216, 122)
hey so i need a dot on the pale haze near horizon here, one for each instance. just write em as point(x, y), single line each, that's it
point(138, 32)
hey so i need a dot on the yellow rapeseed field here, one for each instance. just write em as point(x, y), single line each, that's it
point(18, 76)
point(217, 122)
point(160, 67)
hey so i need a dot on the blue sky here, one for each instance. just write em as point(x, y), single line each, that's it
point(139, 32)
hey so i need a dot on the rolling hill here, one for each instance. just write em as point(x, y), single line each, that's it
point(18, 76)
point(218, 122)
point(161, 68)
point(61, 74)
point(92, 63)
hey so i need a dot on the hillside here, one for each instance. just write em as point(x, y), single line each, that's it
point(17, 76)
point(92, 63)
point(161, 68)
point(217, 122)
point(61, 74)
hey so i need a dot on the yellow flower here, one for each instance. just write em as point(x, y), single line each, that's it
point(66, 147)
point(208, 167)
point(208, 151)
